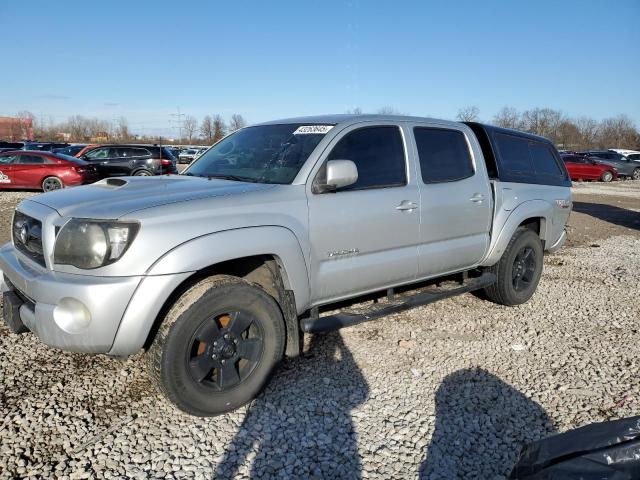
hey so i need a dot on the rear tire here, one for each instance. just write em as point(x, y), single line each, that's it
point(50, 184)
point(142, 173)
point(217, 346)
point(519, 269)
point(636, 174)
point(606, 176)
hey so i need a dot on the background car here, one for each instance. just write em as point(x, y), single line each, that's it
point(635, 157)
point(188, 155)
point(623, 151)
point(581, 167)
point(43, 146)
point(71, 150)
point(136, 160)
point(27, 169)
point(624, 166)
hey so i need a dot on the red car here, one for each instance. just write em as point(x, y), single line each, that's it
point(24, 169)
point(583, 168)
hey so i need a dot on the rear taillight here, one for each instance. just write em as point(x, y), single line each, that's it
point(165, 162)
point(80, 169)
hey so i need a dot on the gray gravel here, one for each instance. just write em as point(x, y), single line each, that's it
point(450, 390)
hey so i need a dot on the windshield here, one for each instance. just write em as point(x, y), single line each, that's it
point(265, 154)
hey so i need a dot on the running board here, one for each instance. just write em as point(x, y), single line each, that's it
point(397, 304)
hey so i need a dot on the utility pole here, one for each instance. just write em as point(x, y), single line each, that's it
point(178, 119)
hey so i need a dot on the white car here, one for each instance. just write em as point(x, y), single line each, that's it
point(624, 152)
point(188, 156)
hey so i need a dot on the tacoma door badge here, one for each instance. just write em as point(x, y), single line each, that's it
point(343, 253)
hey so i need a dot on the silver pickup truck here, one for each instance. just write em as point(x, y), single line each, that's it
point(218, 272)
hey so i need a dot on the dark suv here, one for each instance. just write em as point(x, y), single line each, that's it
point(138, 160)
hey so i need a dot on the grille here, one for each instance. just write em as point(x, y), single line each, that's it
point(27, 237)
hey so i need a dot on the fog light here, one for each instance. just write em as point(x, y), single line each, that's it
point(71, 315)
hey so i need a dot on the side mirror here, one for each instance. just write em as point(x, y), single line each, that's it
point(339, 173)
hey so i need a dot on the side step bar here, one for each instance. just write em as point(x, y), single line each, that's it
point(316, 323)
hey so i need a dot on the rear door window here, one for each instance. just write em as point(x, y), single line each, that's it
point(378, 153)
point(444, 155)
point(31, 160)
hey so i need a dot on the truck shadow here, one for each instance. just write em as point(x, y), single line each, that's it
point(609, 213)
point(481, 424)
point(301, 426)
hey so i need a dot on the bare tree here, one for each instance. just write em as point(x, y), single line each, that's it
point(190, 126)
point(206, 129)
point(354, 111)
point(78, 128)
point(468, 114)
point(616, 132)
point(587, 132)
point(507, 117)
point(219, 128)
point(122, 130)
point(237, 122)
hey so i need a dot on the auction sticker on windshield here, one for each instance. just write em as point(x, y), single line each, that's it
point(309, 129)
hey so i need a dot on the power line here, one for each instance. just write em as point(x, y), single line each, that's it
point(177, 119)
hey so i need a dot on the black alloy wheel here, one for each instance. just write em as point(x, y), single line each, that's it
point(225, 350)
point(524, 269)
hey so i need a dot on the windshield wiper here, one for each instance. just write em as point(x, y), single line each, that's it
point(237, 178)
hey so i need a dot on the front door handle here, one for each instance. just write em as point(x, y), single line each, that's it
point(477, 198)
point(407, 206)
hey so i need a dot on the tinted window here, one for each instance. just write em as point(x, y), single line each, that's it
point(4, 160)
point(377, 152)
point(514, 153)
point(31, 159)
point(444, 155)
point(634, 156)
point(135, 152)
point(98, 153)
point(544, 161)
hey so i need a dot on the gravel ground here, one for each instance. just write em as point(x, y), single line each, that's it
point(451, 390)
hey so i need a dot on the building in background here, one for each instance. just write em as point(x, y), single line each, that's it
point(15, 129)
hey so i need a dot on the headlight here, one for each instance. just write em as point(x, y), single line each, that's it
point(90, 244)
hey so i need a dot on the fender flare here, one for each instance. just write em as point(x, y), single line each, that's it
point(526, 210)
point(210, 249)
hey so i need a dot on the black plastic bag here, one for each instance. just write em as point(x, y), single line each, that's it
point(602, 451)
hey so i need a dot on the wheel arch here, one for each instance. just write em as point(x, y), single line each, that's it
point(534, 214)
point(270, 257)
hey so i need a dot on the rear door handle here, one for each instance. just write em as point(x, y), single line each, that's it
point(477, 198)
point(407, 206)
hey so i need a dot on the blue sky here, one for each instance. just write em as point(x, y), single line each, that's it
point(266, 60)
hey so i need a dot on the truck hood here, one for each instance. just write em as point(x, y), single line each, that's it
point(115, 197)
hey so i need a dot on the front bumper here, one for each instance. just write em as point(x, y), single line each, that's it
point(84, 313)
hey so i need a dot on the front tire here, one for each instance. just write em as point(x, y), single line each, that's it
point(217, 346)
point(142, 173)
point(519, 269)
